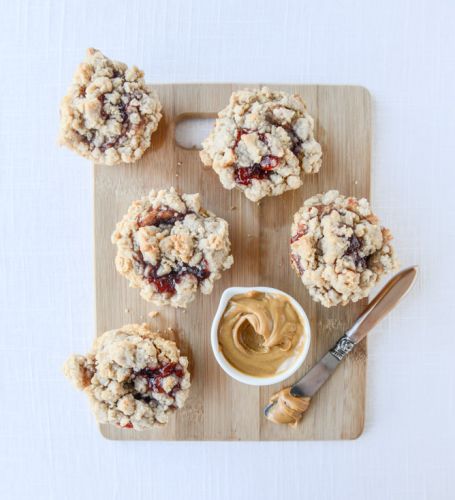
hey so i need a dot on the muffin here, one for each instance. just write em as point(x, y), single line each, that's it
point(170, 247)
point(262, 142)
point(133, 377)
point(109, 112)
point(339, 249)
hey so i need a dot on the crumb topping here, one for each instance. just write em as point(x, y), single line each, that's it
point(339, 249)
point(261, 143)
point(109, 112)
point(132, 376)
point(170, 247)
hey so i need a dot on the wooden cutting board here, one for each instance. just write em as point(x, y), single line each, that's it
point(219, 407)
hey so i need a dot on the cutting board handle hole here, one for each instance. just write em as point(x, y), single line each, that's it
point(192, 128)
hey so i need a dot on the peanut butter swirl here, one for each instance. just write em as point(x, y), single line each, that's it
point(261, 334)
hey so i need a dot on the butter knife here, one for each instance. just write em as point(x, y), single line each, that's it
point(379, 307)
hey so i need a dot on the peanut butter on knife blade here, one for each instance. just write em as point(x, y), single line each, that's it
point(288, 409)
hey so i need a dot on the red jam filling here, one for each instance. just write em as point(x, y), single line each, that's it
point(167, 283)
point(162, 215)
point(155, 376)
point(244, 175)
point(353, 251)
point(303, 229)
point(298, 263)
point(296, 147)
point(259, 171)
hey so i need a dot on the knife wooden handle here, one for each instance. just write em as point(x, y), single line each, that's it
point(382, 304)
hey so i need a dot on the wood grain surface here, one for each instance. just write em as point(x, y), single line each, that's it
point(220, 408)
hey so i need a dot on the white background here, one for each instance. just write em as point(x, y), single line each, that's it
point(404, 53)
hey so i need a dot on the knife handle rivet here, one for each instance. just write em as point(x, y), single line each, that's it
point(343, 346)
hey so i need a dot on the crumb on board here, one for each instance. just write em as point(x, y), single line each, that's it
point(233, 207)
point(179, 163)
point(127, 310)
point(153, 314)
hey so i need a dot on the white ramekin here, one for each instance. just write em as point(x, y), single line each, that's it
point(233, 372)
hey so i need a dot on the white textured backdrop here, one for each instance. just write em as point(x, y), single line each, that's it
point(404, 52)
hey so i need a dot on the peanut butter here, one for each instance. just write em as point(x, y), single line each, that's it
point(288, 409)
point(261, 334)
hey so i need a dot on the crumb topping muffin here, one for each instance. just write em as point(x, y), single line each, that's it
point(109, 112)
point(339, 249)
point(133, 377)
point(261, 143)
point(170, 247)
